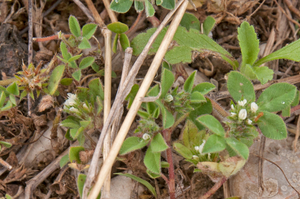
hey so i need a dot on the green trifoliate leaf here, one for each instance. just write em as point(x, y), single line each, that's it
point(167, 80)
point(117, 27)
point(212, 124)
point(276, 97)
point(183, 150)
point(189, 83)
point(248, 42)
point(272, 126)
point(240, 87)
point(214, 144)
point(74, 26)
point(158, 143)
point(132, 144)
point(121, 6)
point(55, 78)
point(290, 52)
point(190, 21)
point(239, 147)
point(208, 24)
point(88, 30)
point(86, 62)
point(152, 161)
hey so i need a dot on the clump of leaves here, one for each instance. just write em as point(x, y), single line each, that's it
point(189, 39)
point(122, 6)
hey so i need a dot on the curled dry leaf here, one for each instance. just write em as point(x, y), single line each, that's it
point(45, 103)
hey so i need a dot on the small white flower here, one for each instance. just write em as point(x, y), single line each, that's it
point(242, 103)
point(249, 121)
point(74, 110)
point(201, 147)
point(71, 100)
point(232, 107)
point(146, 136)
point(254, 107)
point(169, 98)
point(232, 114)
point(196, 148)
point(243, 114)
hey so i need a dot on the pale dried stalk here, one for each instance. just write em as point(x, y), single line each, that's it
point(84, 9)
point(107, 104)
point(111, 14)
point(137, 102)
point(123, 91)
point(95, 14)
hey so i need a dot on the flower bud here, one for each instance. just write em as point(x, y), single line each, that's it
point(146, 136)
point(169, 98)
point(254, 107)
point(243, 114)
point(232, 114)
point(242, 103)
point(232, 107)
point(249, 121)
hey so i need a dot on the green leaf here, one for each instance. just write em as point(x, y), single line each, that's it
point(286, 112)
point(66, 81)
point(117, 27)
point(64, 160)
point(197, 97)
point(204, 108)
point(70, 122)
point(296, 99)
point(140, 180)
point(2, 98)
point(212, 124)
point(96, 88)
point(272, 126)
point(88, 30)
point(204, 88)
point(121, 6)
point(183, 150)
point(74, 26)
point(290, 52)
point(191, 135)
point(159, 2)
point(238, 147)
point(80, 183)
point(263, 73)
point(208, 25)
point(86, 62)
point(64, 51)
point(152, 161)
point(189, 83)
point(276, 97)
point(168, 119)
point(190, 21)
point(115, 43)
point(168, 4)
point(77, 75)
point(152, 175)
point(240, 87)
point(130, 97)
point(125, 43)
point(132, 144)
point(248, 42)
point(84, 44)
point(139, 6)
point(55, 78)
point(167, 80)
point(13, 89)
point(5, 144)
point(158, 143)
point(74, 153)
point(149, 9)
point(214, 144)
point(74, 58)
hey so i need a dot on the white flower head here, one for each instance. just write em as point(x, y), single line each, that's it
point(196, 148)
point(146, 136)
point(243, 114)
point(71, 100)
point(249, 121)
point(242, 103)
point(232, 114)
point(254, 107)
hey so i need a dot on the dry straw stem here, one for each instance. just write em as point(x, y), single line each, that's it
point(137, 102)
point(111, 14)
point(107, 104)
point(122, 93)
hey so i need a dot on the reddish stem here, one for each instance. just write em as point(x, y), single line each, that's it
point(171, 184)
point(49, 38)
point(214, 188)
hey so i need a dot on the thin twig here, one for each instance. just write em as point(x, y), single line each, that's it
point(30, 47)
point(214, 188)
point(248, 17)
point(287, 16)
point(297, 134)
point(95, 14)
point(111, 14)
point(107, 104)
point(261, 162)
point(124, 90)
point(5, 164)
point(280, 170)
point(136, 103)
point(292, 8)
point(84, 9)
point(135, 23)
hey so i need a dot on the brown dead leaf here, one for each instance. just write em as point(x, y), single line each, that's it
point(46, 102)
